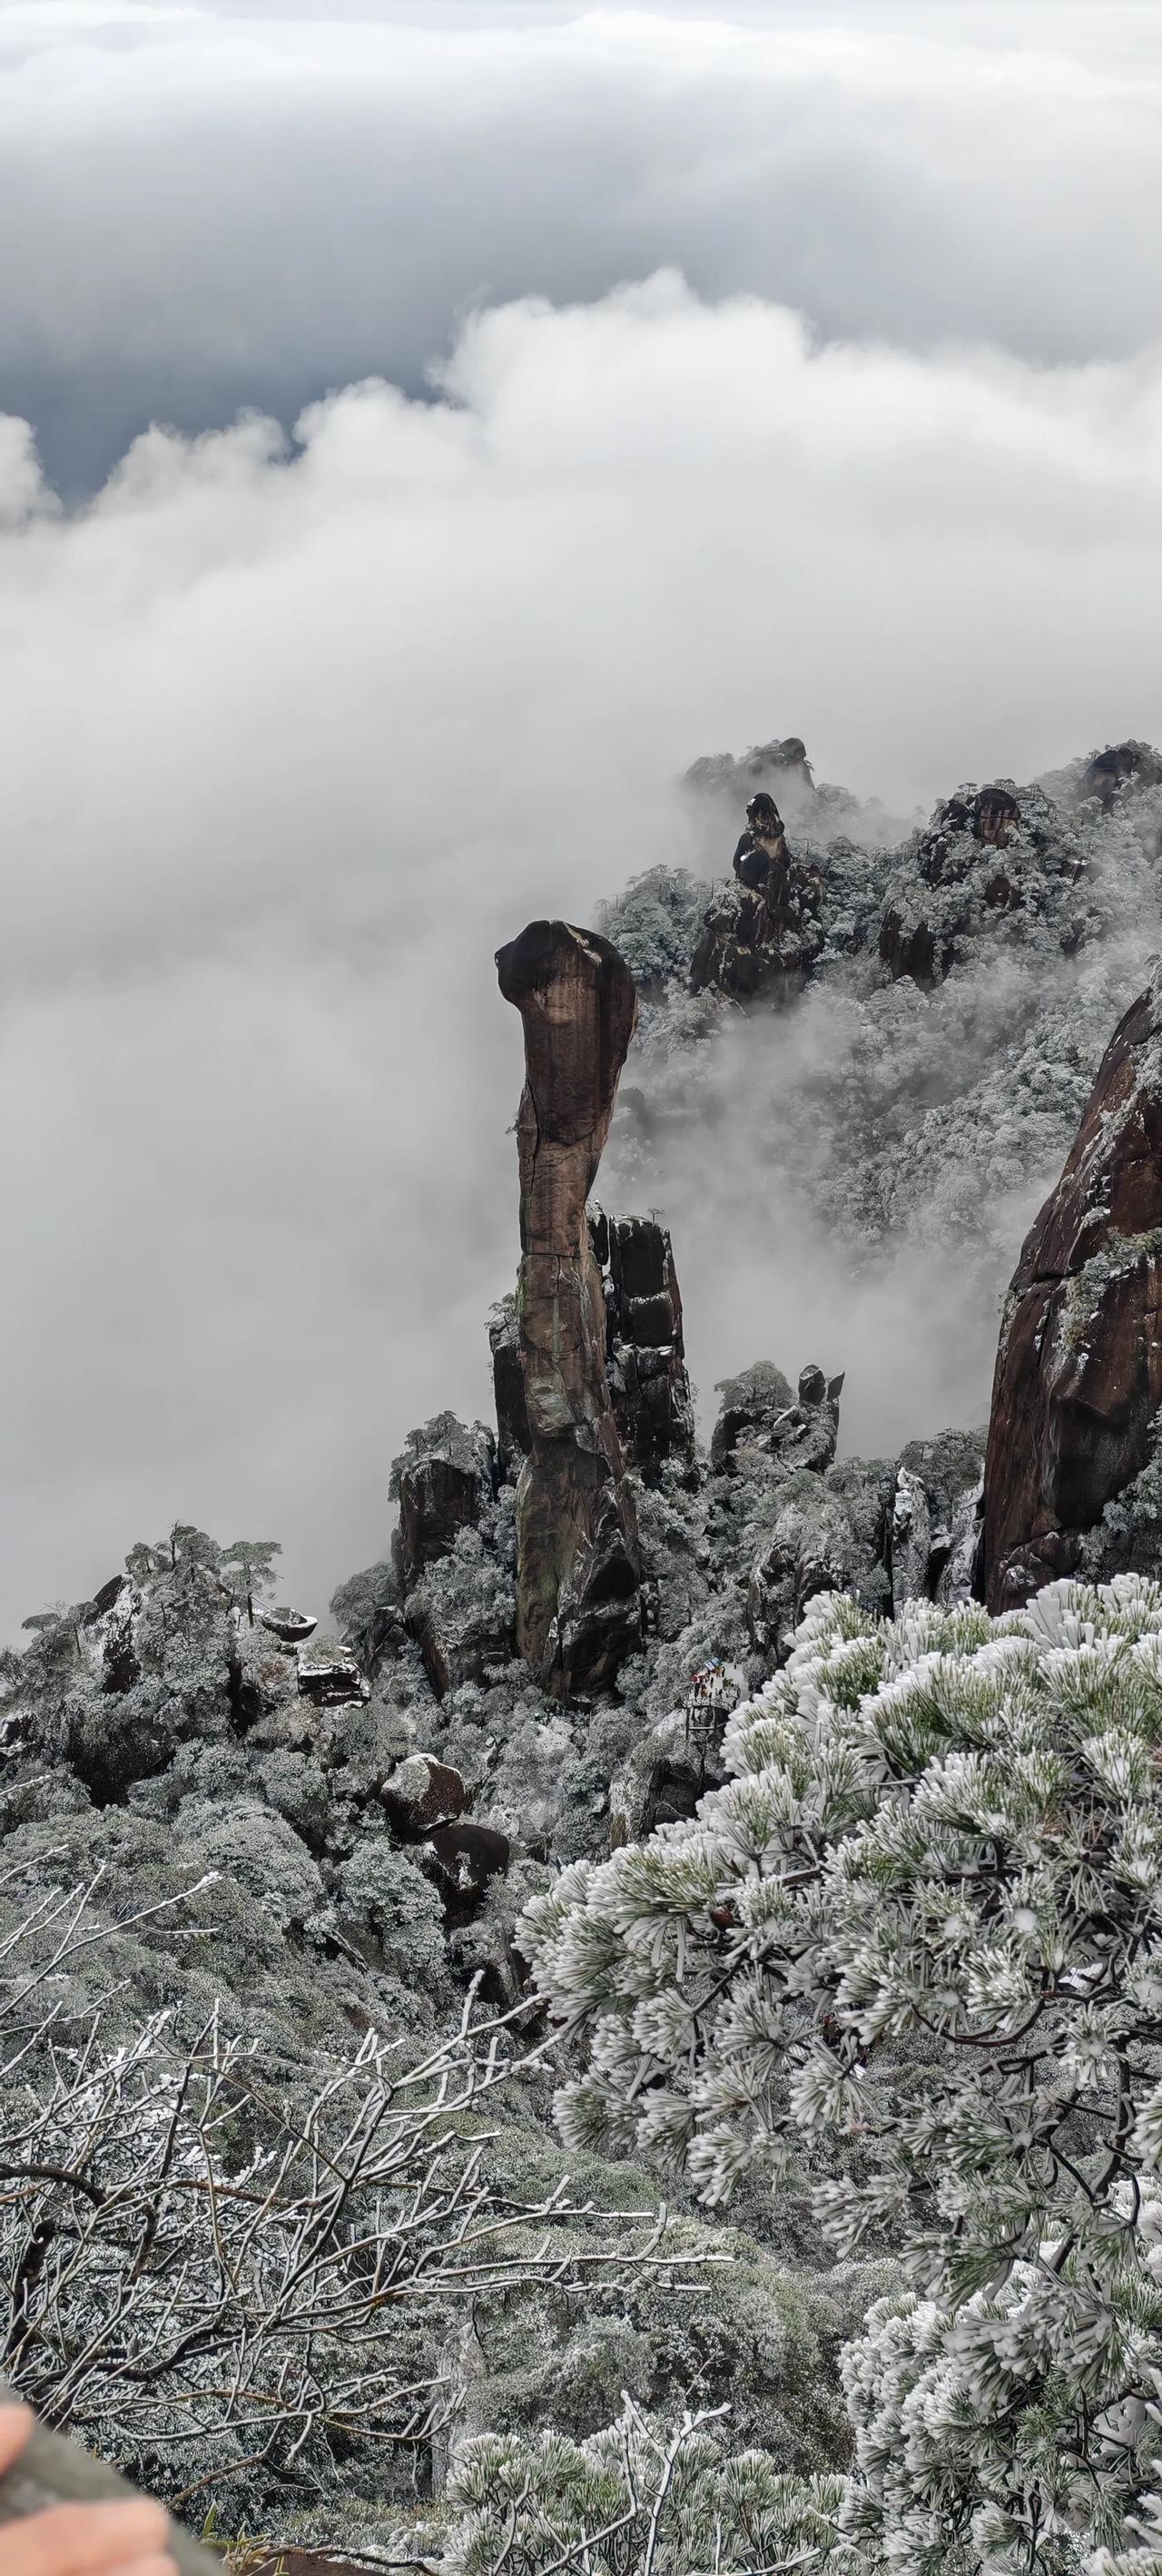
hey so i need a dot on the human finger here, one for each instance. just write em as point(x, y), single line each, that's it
point(16, 2424)
point(84, 2539)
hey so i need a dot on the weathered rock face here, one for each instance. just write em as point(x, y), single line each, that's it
point(1120, 765)
point(645, 1352)
point(761, 937)
point(508, 1386)
point(814, 1546)
point(329, 1675)
point(934, 1528)
point(919, 930)
point(106, 1634)
point(1078, 1379)
point(780, 766)
point(578, 1609)
point(443, 1486)
point(463, 1859)
point(461, 1622)
point(662, 1782)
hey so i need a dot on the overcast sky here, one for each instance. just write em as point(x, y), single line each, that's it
point(777, 372)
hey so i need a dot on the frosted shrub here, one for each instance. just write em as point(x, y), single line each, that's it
point(637, 2500)
point(910, 1957)
point(232, 2288)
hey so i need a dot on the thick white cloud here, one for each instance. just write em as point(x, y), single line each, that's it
point(295, 736)
point(207, 206)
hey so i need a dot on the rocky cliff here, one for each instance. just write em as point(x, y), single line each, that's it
point(761, 936)
point(578, 1612)
point(1078, 1381)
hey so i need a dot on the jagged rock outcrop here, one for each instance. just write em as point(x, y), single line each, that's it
point(934, 1529)
point(329, 1675)
point(106, 1634)
point(778, 766)
point(816, 1545)
point(508, 1386)
point(759, 1417)
point(645, 1351)
point(444, 1480)
point(461, 1616)
point(1078, 1380)
point(463, 1859)
point(761, 936)
point(1120, 766)
point(990, 861)
point(578, 1609)
point(666, 1775)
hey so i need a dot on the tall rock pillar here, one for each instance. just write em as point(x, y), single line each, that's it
point(578, 1611)
point(1078, 1386)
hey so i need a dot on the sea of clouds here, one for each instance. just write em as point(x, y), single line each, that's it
point(305, 714)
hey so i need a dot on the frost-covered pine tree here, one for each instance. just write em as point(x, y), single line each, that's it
point(910, 1959)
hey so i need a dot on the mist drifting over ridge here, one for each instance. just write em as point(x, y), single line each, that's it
point(298, 734)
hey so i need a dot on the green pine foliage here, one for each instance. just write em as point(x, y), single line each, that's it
point(908, 1963)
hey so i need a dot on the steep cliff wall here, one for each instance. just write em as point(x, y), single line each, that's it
point(578, 1610)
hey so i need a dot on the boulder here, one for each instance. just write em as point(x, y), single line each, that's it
point(291, 1627)
point(422, 1794)
point(578, 1607)
point(1078, 1380)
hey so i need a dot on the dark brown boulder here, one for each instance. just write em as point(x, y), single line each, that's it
point(1079, 1370)
point(422, 1794)
point(578, 1607)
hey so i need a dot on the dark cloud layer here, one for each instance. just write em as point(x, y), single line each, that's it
point(206, 207)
